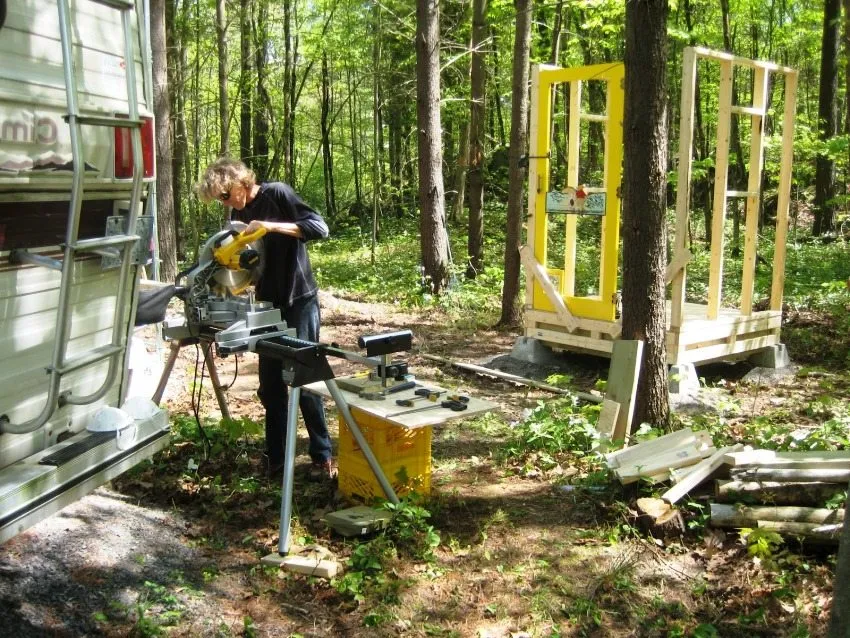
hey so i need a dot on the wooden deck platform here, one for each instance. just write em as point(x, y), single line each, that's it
point(732, 335)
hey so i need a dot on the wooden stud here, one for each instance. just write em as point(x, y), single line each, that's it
point(721, 178)
point(760, 79)
point(683, 188)
point(542, 278)
point(700, 473)
point(623, 376)
point(784, 191)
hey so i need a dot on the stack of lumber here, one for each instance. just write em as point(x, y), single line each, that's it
point(792, 486)
point(807, 522)
point(669, 457)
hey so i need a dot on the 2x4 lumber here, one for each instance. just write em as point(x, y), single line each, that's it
point(721, 178)
point(540, 275)
point(594, 117)
point(658, 467)
point(535, 218)
point(700, 473)
point(607, 420)
point(748, 110)
point(756, 163)
point(827, 459)
point(784, 191)
point(791, 493)
point(321, 568)
point(604, 346)
point(719, 351)
point(623, 377)
point(683, 189)
point(747, 62)
point(646, 449)
point(611, 328)
point(781, 474)
point(584, 396)
point(702, 330)
point(677, 264)
point(571, 222)
point(724, 515)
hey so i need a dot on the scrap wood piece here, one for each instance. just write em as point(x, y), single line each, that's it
point(829, 459)
point(647, 449)
point(782, 474)
point(791, 493)
point(607, 420)
point(658, 466)
point(658, 516)
point(704, 470)
point(526, 255)
point(584, 396)
point(725, 515)
point(623, 376)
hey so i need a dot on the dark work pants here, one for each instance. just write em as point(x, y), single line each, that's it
point(274, 395)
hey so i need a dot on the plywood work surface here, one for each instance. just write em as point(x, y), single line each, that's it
point(390, 411)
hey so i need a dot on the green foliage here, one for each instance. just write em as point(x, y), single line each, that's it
point(555, 426)
point(410, 531)
point(761, 543)
point(368, 577)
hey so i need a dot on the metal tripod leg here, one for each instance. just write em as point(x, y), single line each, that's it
point(289, 458)
point(342, 405)
point(288, 471)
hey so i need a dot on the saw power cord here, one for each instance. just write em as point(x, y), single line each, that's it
point(196, 403)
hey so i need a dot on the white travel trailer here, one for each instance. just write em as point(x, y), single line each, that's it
point(76, 165)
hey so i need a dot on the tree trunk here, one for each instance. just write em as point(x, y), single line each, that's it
point(223, 103)
point(262, 103)
point(433, 239)
point(162, 110)
point(846, 38)
point(245, 82)
point(327, 152)
point(478, 100)
point(354, 128)
point(827, 118)
point(176, 54)
point(511, 313)
point(460, 171)
point(839, 624)
point(644, 201)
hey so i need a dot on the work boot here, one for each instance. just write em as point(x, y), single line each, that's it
point(274, 472)
point(322, 470)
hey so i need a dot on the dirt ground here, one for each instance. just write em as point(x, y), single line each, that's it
point(174, 549)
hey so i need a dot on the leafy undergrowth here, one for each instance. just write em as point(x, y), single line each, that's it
point(525, 532)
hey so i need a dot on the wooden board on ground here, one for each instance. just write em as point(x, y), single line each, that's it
point(607, 421)
point(622, 383)
point(699, 474)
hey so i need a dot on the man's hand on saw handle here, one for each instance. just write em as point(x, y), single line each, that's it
point(283, 228)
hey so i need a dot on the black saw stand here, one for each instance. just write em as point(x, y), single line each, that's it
point(306, 362)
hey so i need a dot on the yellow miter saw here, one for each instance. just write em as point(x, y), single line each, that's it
point(218, 296)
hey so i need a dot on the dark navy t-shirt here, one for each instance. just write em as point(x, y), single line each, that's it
point(287, 275)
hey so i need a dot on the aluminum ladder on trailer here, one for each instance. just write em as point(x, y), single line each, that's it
point(118, 245)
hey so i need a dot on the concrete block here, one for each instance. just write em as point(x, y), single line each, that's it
point(531, 350)
point(683, 379)
point(771, 357)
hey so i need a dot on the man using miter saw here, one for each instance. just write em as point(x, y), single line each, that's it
point(286, 280)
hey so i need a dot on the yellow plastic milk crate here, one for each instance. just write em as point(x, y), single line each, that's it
point(404, 455)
